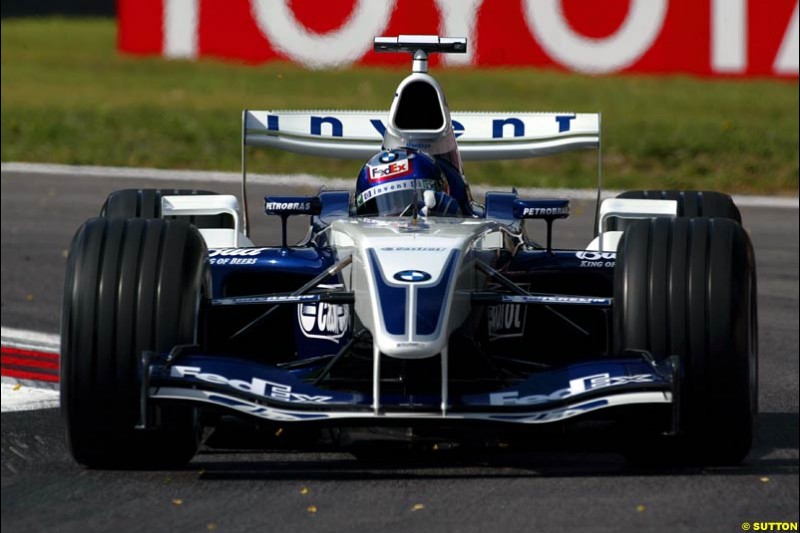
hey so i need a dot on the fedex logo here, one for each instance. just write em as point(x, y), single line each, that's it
point(257, 386)
point(390, 170)
point(576, 386)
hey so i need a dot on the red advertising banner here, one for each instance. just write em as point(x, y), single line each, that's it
point(739, 38)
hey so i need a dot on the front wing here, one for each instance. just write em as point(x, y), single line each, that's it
point(276, 394)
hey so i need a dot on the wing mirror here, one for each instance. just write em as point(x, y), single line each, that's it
point(548, 209)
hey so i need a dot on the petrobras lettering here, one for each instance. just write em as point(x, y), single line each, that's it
point(287, 206)
point(390, 170)
point(234, 252)
point(322, 320)
point(545, 211)
point(257, 386)
point(576, 386)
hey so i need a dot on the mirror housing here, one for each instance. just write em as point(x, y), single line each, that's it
point(543, 209)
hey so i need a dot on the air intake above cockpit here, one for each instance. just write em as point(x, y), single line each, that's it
point(419, 107)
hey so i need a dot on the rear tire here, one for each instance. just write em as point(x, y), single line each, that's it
point(131, 285)
point(146, 203)
point(687, 287)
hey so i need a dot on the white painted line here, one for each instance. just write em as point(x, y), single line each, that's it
point(32, 383)
point(29, 340)
point(22, 398)
point(315, 182)
point(144, 173)
point(28, 399)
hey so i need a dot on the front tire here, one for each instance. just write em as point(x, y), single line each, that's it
point(146, 203)
point(691, 204)
point(131, 285)
point(687, 287)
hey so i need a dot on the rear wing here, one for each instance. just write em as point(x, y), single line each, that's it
point(360, 134)
point(480, 136)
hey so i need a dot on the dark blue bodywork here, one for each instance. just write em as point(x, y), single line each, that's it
point(288, 375)
point(562, 271)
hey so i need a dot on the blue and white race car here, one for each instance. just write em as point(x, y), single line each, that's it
point(410, 303)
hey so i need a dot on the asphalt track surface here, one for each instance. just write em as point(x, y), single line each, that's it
point(444, 490)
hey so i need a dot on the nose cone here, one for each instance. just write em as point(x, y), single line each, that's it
point(411, 281)
point(412, 303)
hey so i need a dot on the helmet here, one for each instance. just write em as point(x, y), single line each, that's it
point(386, 184)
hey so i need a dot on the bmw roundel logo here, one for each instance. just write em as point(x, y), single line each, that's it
point(388, 157)
point(412, 276)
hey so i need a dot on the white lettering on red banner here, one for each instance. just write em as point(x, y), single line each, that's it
point(701, 37)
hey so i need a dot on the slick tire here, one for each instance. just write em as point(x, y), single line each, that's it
point(691, 204)
point(687, 287)
point(146, 203)
point(131, 285)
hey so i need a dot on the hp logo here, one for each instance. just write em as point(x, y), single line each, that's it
point(412, 276)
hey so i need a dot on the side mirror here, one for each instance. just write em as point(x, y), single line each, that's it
point(286, 206)
point(542, 208)
point(548, 209)
point(292, 205)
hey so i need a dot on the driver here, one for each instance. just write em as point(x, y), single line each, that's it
point(386, 184)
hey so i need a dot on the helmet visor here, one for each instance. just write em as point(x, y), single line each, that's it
point(393, 198)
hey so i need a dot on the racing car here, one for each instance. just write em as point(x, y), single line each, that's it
point(411, 304)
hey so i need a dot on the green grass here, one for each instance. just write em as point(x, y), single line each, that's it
point(69, 97)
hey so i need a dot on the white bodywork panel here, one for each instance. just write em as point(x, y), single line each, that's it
point(224, 238)
point(437, 247)
point(630, 208)
point(209, 204)
point(608, 241)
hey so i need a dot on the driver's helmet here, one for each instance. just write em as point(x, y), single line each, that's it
point(386, 183)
